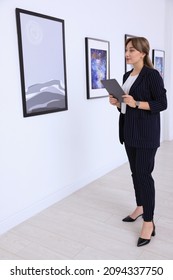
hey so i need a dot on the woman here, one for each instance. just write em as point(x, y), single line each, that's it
point(139, 129)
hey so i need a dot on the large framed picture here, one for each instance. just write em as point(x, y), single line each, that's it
point(97, 66)
point(158, 59)
point(128, 67)
point(41, 43)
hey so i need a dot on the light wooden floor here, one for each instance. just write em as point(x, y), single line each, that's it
point(87, 224)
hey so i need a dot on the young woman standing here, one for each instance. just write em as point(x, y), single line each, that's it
point(139, 129)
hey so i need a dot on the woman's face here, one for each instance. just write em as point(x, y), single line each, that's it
point(132, 55)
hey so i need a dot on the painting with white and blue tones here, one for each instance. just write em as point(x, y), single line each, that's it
point(159, 65)
point(42, 61)
point(98, 67)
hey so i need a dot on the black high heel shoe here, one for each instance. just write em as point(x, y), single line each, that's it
point(142, 241)
point(129, 219)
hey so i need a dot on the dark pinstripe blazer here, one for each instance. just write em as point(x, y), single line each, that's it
point(141, 128)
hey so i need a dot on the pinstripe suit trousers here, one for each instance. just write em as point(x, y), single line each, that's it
point(141, 162)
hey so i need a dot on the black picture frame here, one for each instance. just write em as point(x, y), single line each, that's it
point(158, 60)
point(97, 54)
point(41, 45)
point(127, 66)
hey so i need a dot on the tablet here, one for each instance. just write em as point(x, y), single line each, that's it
point(114, 88)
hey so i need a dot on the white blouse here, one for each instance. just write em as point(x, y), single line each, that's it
point(126, 87)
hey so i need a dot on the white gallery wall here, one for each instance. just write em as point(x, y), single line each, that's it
point(168, 116)
point(46, 158)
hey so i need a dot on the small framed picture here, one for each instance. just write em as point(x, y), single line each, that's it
point(128, 67)
point(41, 44)
point(158, 59)
point(97, 66)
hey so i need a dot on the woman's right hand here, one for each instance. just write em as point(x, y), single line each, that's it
point(114, 101)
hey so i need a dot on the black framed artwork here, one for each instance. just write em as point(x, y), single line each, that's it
point(41, 44)
point(128, 67)
point(97, 66)
point(158, 59)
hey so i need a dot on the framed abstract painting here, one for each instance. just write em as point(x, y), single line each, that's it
point(41, 44)
point(158, 59)
point(97, 66)
point(128, 67)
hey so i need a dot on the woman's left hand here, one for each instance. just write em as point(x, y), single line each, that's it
point(129, 100)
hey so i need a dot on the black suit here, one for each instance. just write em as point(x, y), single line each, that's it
point(139, 130)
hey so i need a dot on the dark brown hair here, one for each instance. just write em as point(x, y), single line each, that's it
point(141, 44)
